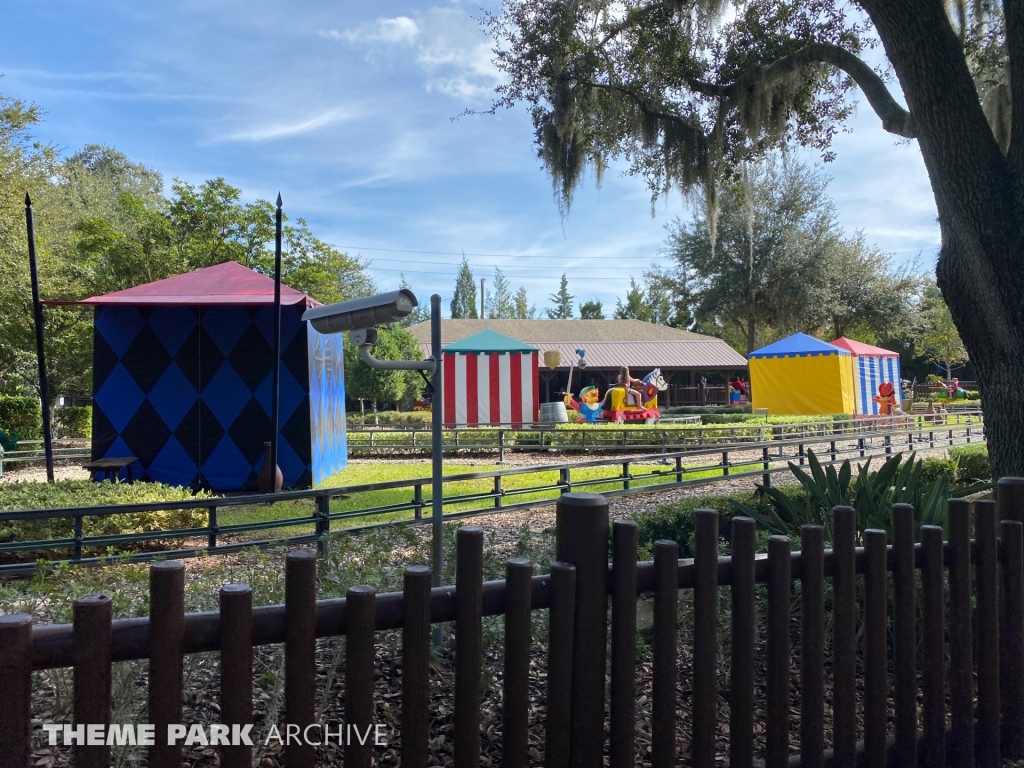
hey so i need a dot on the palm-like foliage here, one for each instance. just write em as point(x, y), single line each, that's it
point(872, 496)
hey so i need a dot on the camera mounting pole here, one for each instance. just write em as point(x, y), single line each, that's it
point(360, 317)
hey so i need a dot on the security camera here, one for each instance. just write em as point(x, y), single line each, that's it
point(357, 314)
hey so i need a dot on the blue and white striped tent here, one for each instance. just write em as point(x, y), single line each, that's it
point(871, 367)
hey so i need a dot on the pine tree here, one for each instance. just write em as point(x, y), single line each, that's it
point(464, 297)
point(592, 310)
point(418, 315)
point(562, 301)
point(501, 303)
point(523, 309)
point(636, 306)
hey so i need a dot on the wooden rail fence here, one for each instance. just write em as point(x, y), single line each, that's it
point(977, 624)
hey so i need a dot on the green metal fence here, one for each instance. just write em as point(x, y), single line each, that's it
point(310, 515)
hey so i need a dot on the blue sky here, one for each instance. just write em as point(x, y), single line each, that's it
point(347, 109)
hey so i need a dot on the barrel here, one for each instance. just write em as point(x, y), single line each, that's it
point(553, 413)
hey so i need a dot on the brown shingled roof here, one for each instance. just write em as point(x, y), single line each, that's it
point(608, 343)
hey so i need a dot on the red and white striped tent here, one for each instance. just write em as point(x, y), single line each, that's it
point(490, 380)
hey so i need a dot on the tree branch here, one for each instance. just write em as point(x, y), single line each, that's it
point(895, 119)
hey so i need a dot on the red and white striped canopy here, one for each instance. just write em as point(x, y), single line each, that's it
point(490, 389)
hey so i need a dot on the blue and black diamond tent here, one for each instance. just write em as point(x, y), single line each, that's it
point(183, 374)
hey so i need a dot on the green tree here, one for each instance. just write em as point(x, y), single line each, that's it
point(766, 266)
point(937, 338)
point(378, 386)
point(592, 310)
point(464, 297)
point(636, 306)
point(687, 94)
point(524, 310)
point(562, 300)
point(422, 311)
point(501, 304)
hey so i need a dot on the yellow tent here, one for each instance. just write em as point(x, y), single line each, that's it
point(802, 376)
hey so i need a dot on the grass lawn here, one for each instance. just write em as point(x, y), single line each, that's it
point(531, 487)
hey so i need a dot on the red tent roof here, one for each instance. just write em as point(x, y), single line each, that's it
point(860, 349)
point(227, 283)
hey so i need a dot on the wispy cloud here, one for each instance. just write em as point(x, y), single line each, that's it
point(399, 29)
point(450, 48)
point(273, 131)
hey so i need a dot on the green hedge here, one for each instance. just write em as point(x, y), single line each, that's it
point(86, 493)
point(675, 521)
point(390, 419)
point(72, 421)
point(972, 463)
point(21, 415)
point(698, 410)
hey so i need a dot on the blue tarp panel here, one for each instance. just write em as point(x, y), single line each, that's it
point(798, 345)
point(187, 390)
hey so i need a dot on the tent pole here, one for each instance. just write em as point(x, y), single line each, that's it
point(37, 307)
point(276, 392)
point(437, 446)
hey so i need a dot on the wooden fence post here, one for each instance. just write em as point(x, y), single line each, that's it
point(581, 539)
point(515, 703)
point(16, 684)
point(779, 648)
point(92, 617)
point(961, 649)
point(812, 653)
point(933, 642)
point(844, 637)
point(236, 668)
point(904, 633)
point(415, 666)
point(360, 619)
point(300, 650)
point(622, 748)
point(876, 664)
point(741, 667)
point(561, 624)
point(664, 670)
point(987, 617)
point(1010, 496)
point(705, 638)
point(469, 572)
point(166, 634)
point(1011, 664)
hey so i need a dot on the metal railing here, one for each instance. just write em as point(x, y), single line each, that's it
point(383, 440)
point(32, 450)
point(634, 474)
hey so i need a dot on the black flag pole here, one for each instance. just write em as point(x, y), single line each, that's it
point(276, 407)
point(37, 307)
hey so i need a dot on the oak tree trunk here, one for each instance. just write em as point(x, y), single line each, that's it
point(978, 195)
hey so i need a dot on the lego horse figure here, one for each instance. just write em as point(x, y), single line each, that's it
point(617, 408)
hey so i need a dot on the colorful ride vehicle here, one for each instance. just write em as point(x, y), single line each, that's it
point(621, 404)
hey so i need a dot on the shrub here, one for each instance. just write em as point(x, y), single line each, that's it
point(872, 495)
point(972, 463)
point(73, 421)
point(675, 521)
point(934, 467)
point(21, 415)
point(86, 493)
point(696, 410)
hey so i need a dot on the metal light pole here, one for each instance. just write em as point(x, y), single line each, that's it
point(437, 438)
point(37, 307)
point(276, 406)
point(482, 297)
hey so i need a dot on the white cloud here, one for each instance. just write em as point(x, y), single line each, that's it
point(272, 131)
point(450, 48)
point(400, 29)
